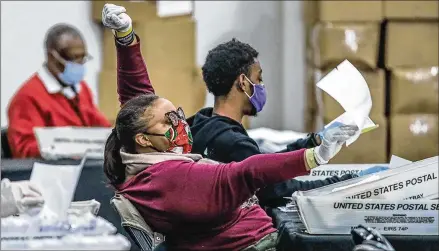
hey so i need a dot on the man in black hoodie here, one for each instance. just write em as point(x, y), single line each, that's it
point(233, 75)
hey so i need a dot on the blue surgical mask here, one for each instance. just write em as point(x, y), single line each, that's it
point(73, 73)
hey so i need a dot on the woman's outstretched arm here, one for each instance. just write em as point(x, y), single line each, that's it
point(132, 74)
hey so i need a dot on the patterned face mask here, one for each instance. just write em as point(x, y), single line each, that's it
point(179, 134)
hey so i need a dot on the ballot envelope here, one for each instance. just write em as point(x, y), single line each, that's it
point(412, 181)
point(399, 201)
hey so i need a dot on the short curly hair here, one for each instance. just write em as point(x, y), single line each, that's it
point(225, 63)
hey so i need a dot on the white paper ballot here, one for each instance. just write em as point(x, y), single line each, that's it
point(71, 142)
point(349, 88)
point(396, 161)
point(57, 184)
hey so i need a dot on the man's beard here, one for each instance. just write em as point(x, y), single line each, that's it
point(253, 112)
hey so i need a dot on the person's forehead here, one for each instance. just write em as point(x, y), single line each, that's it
point(158, 111)
point(256, 67)
point(68, 41)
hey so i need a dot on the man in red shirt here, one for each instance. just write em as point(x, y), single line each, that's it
point(54, 96)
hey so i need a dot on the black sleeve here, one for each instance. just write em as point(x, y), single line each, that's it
point(273, 196)
point(308, 142)
point(243, 149)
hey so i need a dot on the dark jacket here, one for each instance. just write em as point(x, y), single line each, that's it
point(225, 140)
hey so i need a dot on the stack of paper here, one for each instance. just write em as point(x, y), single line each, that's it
point(349, 88)
point(60, 224)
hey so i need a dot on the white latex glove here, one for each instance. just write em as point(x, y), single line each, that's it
point(115, 17)
point(18, 196)
point(333, 139)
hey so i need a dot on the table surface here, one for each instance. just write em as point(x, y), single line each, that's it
point(14, 165)
point(293, 236)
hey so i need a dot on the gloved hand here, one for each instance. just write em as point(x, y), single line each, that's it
point(18, 196)
point(333, 139)
point(115, 17)
point(370, 170)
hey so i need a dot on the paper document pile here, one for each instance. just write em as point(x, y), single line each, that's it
point(399, 201)
point(60, 224)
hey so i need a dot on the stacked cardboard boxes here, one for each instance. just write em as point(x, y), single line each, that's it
point(395, 46)
point(349, 30)
point(411, 58)
point(168, 47)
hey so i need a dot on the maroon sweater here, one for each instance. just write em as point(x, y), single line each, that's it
point(196, 205)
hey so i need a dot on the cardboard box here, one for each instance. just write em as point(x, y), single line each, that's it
point(311, 107)
point(170, 43)
point(108, 98)
point(412, 44)
point(310, 18)
point(139, 11)
point(413, 10)
point(414, 91)
point(371, 147)
point(377, 86)
point(178, 87)
point(356, 42)
point(165, 43)
point(109, 61)
point(199, 90)
point(414, 137)
point(334, 11)
point(189, 92)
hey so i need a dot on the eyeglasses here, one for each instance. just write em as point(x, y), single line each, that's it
point(175, 116)
point(63, 58)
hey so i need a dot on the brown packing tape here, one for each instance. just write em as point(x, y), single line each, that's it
point(139, 11)
point(412, 44)
point(414, 91)
point(350, 11)
point(377, 86)
point(413, 10)
point(414, 137)
point(371, 147)
point(357, 42)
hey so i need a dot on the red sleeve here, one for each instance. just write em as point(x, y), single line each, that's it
point(98, 119)
point(211, 190)
point(24, 115)
point(132, 75)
